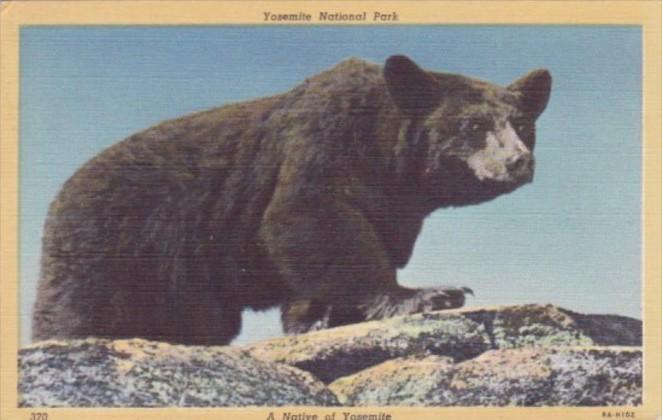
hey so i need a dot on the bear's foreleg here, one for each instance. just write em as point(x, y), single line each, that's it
point(311, 315)
point(338, 270)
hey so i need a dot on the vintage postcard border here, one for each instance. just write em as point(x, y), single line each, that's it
point(15, 14)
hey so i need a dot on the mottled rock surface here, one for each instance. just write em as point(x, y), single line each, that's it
point(139, 373)
point(460, 334)
point(566, 376)
point(526, 355)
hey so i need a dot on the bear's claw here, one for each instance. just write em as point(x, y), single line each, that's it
point(435, 299)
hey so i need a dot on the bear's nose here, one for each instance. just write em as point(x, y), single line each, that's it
point(520, 168)
point(521, 163)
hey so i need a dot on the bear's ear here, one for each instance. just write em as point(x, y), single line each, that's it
point(533, 90)
point(413, 90)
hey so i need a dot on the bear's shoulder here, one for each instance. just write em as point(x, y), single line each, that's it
point(350, 75)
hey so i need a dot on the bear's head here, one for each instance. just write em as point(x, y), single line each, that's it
point(466, 141)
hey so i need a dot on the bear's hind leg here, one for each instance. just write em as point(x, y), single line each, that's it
point(206, 325)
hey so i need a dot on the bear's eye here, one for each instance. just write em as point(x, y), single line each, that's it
point(476, 125)
point(525, 129)
point(522, 127)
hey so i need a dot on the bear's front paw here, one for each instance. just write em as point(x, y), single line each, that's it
point(435, 299)
point(412, 301)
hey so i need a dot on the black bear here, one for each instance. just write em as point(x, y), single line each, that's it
point(309, 200)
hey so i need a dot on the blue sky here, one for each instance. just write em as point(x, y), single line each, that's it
point(572, 238)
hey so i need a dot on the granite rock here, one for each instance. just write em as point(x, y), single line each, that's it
point(460, 334)
point(140, 373)
point(524, 355)
point(528, 376)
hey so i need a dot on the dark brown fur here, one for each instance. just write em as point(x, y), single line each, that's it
point(308, 200)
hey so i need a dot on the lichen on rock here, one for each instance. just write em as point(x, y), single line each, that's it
point(525, 355)
point(565, 376)
point(140, 373)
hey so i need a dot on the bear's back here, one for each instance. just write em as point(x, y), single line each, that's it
point(182, 152)
point(189, 175)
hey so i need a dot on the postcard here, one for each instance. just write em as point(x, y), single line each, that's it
point(329, 210)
